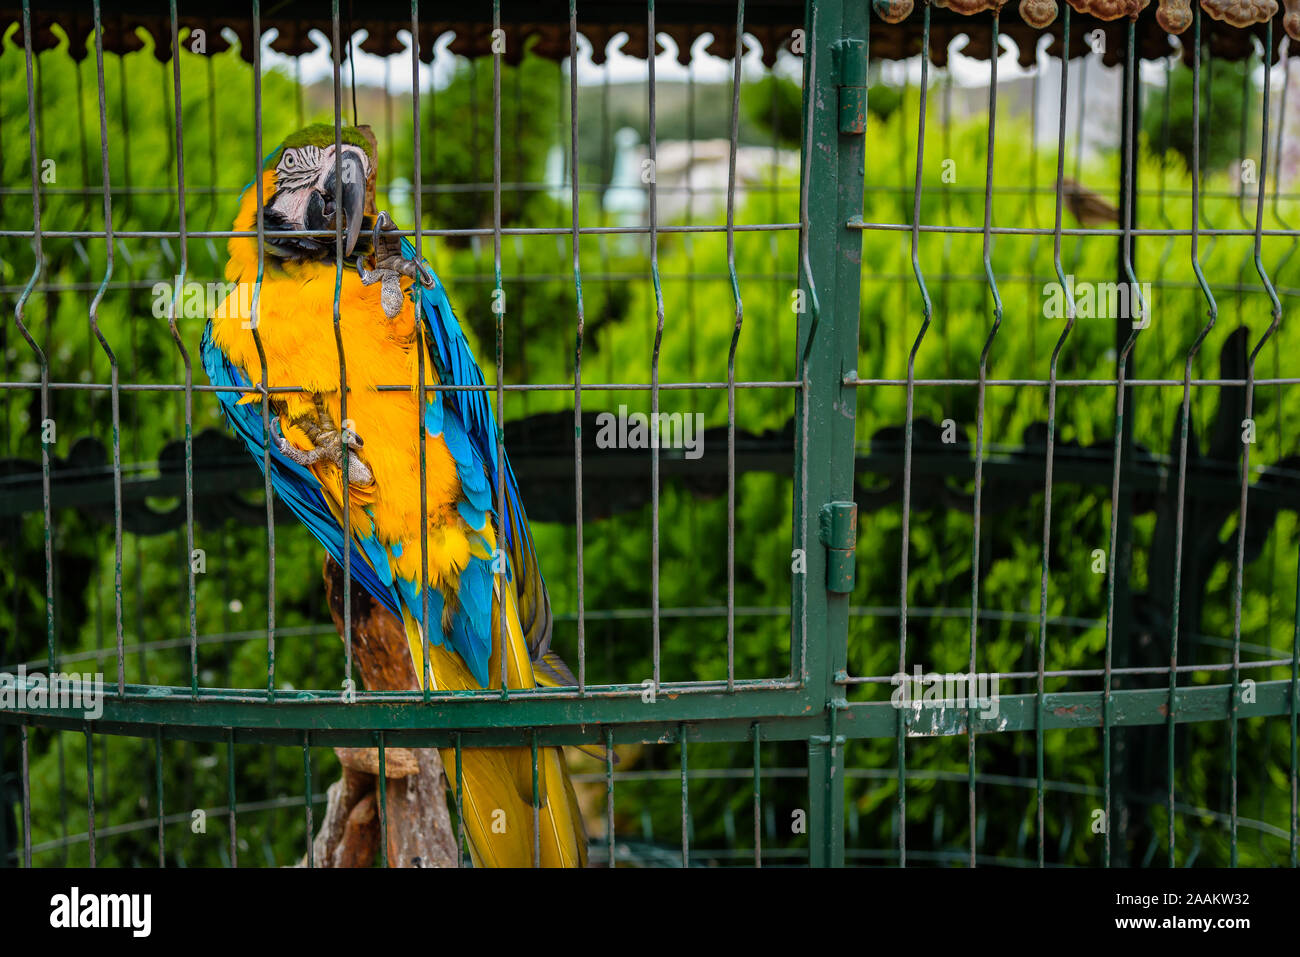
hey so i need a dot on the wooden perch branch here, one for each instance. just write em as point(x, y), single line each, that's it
point(419, 824)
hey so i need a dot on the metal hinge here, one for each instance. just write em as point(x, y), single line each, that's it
point(839, 533)
point(850, 62)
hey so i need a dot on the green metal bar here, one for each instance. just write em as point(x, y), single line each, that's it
point(333, 724)
point(344, 467)
point(177, 338)
point(1212, 315)
point(686, 801)
point(826, 797)
point(1119, 557)
point(758, 794)
point(41, 358)
point(230, 797)
point(979, 414)
point(460, 805)
point(831, 195)
point(1275, 314)
point(927, 313)
point(90, 788)
point(383, 798)
point(1040, 697)
point(537, 826)
point(609, 796)
point(158, 790)
point(306, 800)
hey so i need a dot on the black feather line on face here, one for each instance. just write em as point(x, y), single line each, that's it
point(292, 248)
point(306, 248)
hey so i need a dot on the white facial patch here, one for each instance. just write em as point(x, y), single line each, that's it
point(301, 169)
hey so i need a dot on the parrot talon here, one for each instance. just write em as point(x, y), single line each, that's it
point(390, 265)
point(291, 451)
point(329, 446)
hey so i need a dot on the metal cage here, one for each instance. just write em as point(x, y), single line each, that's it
point(1121, 561)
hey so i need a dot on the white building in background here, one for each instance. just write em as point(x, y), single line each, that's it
point(691, 176)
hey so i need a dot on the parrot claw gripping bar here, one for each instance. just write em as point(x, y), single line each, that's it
point(390, 266)
point(327, 443)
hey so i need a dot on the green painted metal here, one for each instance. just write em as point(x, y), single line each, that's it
point(809, 704)
point(830, 275)
point(492, 723)
point(851, 69)
point(839, 533)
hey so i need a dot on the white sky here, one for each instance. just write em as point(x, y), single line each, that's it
point(621, 68)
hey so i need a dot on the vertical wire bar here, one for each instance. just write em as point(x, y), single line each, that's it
point(1039, 697)
point(460, 805)
point(230, 796)
point(425, 680)
point(1130, 81)
point(1276, 313)
point(1277, 172)
point(383, 798)
point(537, 813)
point(901, 739)
point(1295, 636)
point(609, 794)
point(345, 429)
point(979, 422)
point(19, 308)
point(1212, 313)
point(1032, 206)
point(115, 386)
point(686, 804)
point(809, 282)
point(306, 782)
point(1295, 751)
point(255, 321)
point(63, 800)
point(26, 791)
point(652, 41)
point(1078, 154)
point(158, 761)
point(735, 341)
point(577, 353)
point(758, 795)
point(499, 310)
point(176, 336)
point(90, 791)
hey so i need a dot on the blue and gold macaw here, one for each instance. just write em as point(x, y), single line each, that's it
point(468, 534)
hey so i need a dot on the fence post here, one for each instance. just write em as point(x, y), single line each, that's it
point(834, 115)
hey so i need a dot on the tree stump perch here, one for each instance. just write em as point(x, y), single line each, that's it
point(418, 822)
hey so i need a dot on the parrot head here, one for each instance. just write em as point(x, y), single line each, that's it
point(301, 191)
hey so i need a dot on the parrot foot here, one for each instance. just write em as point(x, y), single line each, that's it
point(390, 266)
point(329, 446)
point(390, 293)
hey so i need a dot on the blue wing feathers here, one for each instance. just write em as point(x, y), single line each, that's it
point(465, 420)
point(295, 485)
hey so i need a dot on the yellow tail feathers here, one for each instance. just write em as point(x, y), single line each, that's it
point(497, 783)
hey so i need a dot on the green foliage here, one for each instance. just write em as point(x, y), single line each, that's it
point(458, 143)
point(621, 310)
point(1229, 119)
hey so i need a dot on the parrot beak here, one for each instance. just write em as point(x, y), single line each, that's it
point(312, 205)
point(354, 197)
point(320, 212)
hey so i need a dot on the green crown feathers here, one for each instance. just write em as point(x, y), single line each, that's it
point(322, 135)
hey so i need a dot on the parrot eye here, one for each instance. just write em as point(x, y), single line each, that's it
point(299, 166)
